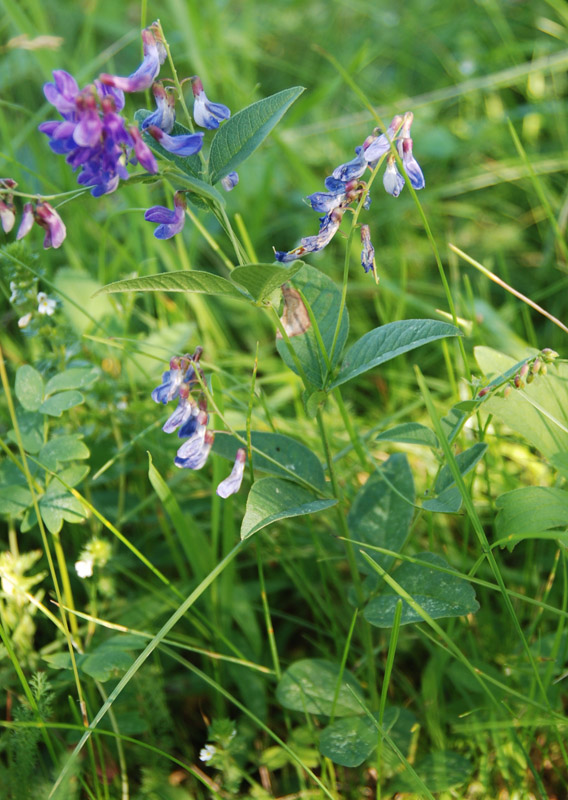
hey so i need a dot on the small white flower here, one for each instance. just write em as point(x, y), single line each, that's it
point(24, 321)
point(206, 753)
point(15, 292)
point(45, 304)
point(122, 405)
point(84, 568)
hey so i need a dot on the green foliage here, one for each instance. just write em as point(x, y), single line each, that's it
point(437, 593)
point(239, 137)
point(316, 686)
point(272, 499)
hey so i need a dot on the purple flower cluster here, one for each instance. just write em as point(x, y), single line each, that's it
point(190, 419)
point(93, 136)
point(40, 212)
point(344, 187)
point(96, 139)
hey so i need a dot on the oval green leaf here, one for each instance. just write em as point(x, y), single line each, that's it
point(75, 378)
point(310, 686)
point(531, 509)
point(391, 340)
point(272, 499)
point(239, 137)
point(29, 387)
point(438, 593)
point(58, 403)
point(351, 740)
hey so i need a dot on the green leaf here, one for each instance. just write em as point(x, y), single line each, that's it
point(440, 772)
point(324, 298)
point(272, 499)
point(539, 412)
point(452, 422)
point(310, 686)
point(410, 433)
point(187, 183)
point(530, 510)
point(106, 663)
point(14, 500)
point(260, 280)
point(449, 499)
point(439, 594)
point(75, 378)
point(239, 137)
point(182, 281)
point(382, 510)
point(31, 431)
point(63, 448)
point(351, 740)
point(391, 340)
point(29, 387)
point(58, 403)
point(191, 165)
point(293, 456)
point(57, 505)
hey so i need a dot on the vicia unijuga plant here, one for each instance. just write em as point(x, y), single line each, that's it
point(216, 451)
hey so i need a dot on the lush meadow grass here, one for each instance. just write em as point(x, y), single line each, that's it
point(406, 632)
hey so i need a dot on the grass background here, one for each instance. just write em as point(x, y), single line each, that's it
point(468, 77)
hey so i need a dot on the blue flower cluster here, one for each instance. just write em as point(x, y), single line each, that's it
point(344, 187)
point(190, 419)
point(95, 138)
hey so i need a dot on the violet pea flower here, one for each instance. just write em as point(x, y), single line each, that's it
point(311, 244)
point(184, 145)
point(171, 222)
point(392, 179)
point(232, 484)
point(51, 222)
point(205, 113)
point(142, 151)
point(147, 72)
point(352, 169)
point(164, 116)
point(26, 222)
point(368, 251)
point(62, 92)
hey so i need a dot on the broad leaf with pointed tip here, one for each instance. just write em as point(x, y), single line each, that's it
point(389, 341)
point(29, 387)
point(272, 499)
point(239, 137)
point(182, 281)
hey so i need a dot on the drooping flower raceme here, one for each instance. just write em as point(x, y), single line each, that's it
point(344, 186)
point(191, 419)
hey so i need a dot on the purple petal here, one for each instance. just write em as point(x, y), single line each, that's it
point(160, 214)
